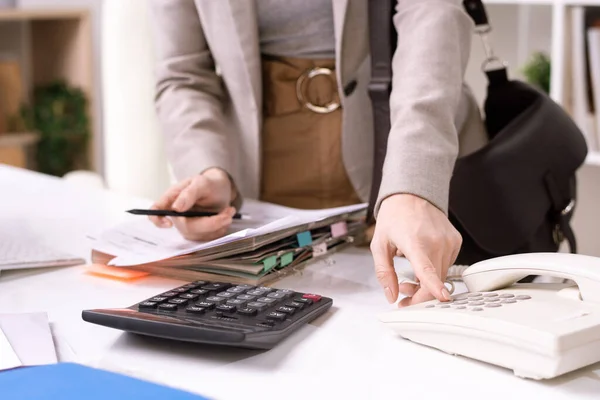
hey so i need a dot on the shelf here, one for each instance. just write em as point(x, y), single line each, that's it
point(593, 158)
point(23, 14)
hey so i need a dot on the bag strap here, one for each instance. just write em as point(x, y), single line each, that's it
point(383, 40)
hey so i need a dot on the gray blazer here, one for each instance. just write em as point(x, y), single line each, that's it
point(208, 94)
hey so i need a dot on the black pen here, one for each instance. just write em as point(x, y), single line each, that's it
point(188, 214)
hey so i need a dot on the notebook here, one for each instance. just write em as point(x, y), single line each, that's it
point(276, 241)
point(74, 381)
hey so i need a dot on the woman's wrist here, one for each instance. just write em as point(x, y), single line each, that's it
point(219, 175)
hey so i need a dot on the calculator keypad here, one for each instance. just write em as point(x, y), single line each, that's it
point(244, 307)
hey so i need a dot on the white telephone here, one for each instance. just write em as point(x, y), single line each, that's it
point(539, 330)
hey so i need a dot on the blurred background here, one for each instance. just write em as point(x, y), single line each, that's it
point(76, 88)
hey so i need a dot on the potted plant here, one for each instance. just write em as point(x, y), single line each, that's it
point(537, 71)
point(59, 114)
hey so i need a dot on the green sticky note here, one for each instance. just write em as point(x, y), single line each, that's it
point(287, 259)
point(269, 263)
point(304, 239)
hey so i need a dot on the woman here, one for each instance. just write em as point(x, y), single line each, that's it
point(268, 99)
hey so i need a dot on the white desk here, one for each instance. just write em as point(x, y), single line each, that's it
point(344, 354)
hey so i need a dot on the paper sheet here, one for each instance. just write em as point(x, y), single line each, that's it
point(139, 241)
point(8, 357)
point(30, 337)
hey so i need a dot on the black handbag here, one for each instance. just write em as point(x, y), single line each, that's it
point(517, 194)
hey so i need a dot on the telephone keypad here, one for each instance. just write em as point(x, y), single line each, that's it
point(479, 301)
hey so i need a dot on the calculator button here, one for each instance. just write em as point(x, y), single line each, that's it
point(226, 295)
point(507, 296)
point(246, 286)
point(158, 298)
point(195, 310)
point(179, 290)
point(267, 300)
point(216, 286)
point(276, 316)
point(148, 305)
point(255, 292)
point(295, 304)
point(236, 289)
point(178, 301)
point(523, 297)
point(169, 294)
point(189, 296)
point(246, 297)
point(286, 310)
point(265, 324)
point(308, 302)
point(216, 300)
point(276, 295)
point(247, 311)
point(199, 283)
point(225, 308)
point(200, 291)
point(190, 286)
point(236, 302)
point(257, 305)
point(168, 307)
point(205, 304)
point(313, 297)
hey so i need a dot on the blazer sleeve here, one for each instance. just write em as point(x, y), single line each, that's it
point(190, 96)
point(434, 43)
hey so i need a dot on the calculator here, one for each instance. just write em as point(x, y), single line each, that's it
point(217, 313)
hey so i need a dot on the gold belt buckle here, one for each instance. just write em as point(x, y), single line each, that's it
point(300, 89)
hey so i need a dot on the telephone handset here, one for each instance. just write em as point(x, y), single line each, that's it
point(539, 330)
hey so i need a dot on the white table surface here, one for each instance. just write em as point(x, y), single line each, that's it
point(346, 353)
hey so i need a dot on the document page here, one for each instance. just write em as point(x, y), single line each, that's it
point(30, 337)
point(8, 357)
point(139, 241)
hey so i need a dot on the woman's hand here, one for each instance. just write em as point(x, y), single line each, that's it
point(211, 190)
point(412, 227)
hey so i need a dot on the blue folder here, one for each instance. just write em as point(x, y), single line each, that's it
point(66, 381)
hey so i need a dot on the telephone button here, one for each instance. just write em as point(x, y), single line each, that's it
point(474, 295)
point(476, 303)
point(460, 302)
point(491, 305)
point(507, 296)
point(523, 297)
point(490, 295)
point(491, 300)
point(477, 309)
point(508, 301)
point(461, 307)
point(445, 306)
point(429, 306)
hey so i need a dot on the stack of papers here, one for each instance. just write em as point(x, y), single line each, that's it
point(25, 340)
point(275, 241)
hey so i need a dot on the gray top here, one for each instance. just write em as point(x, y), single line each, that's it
point(296, 28)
